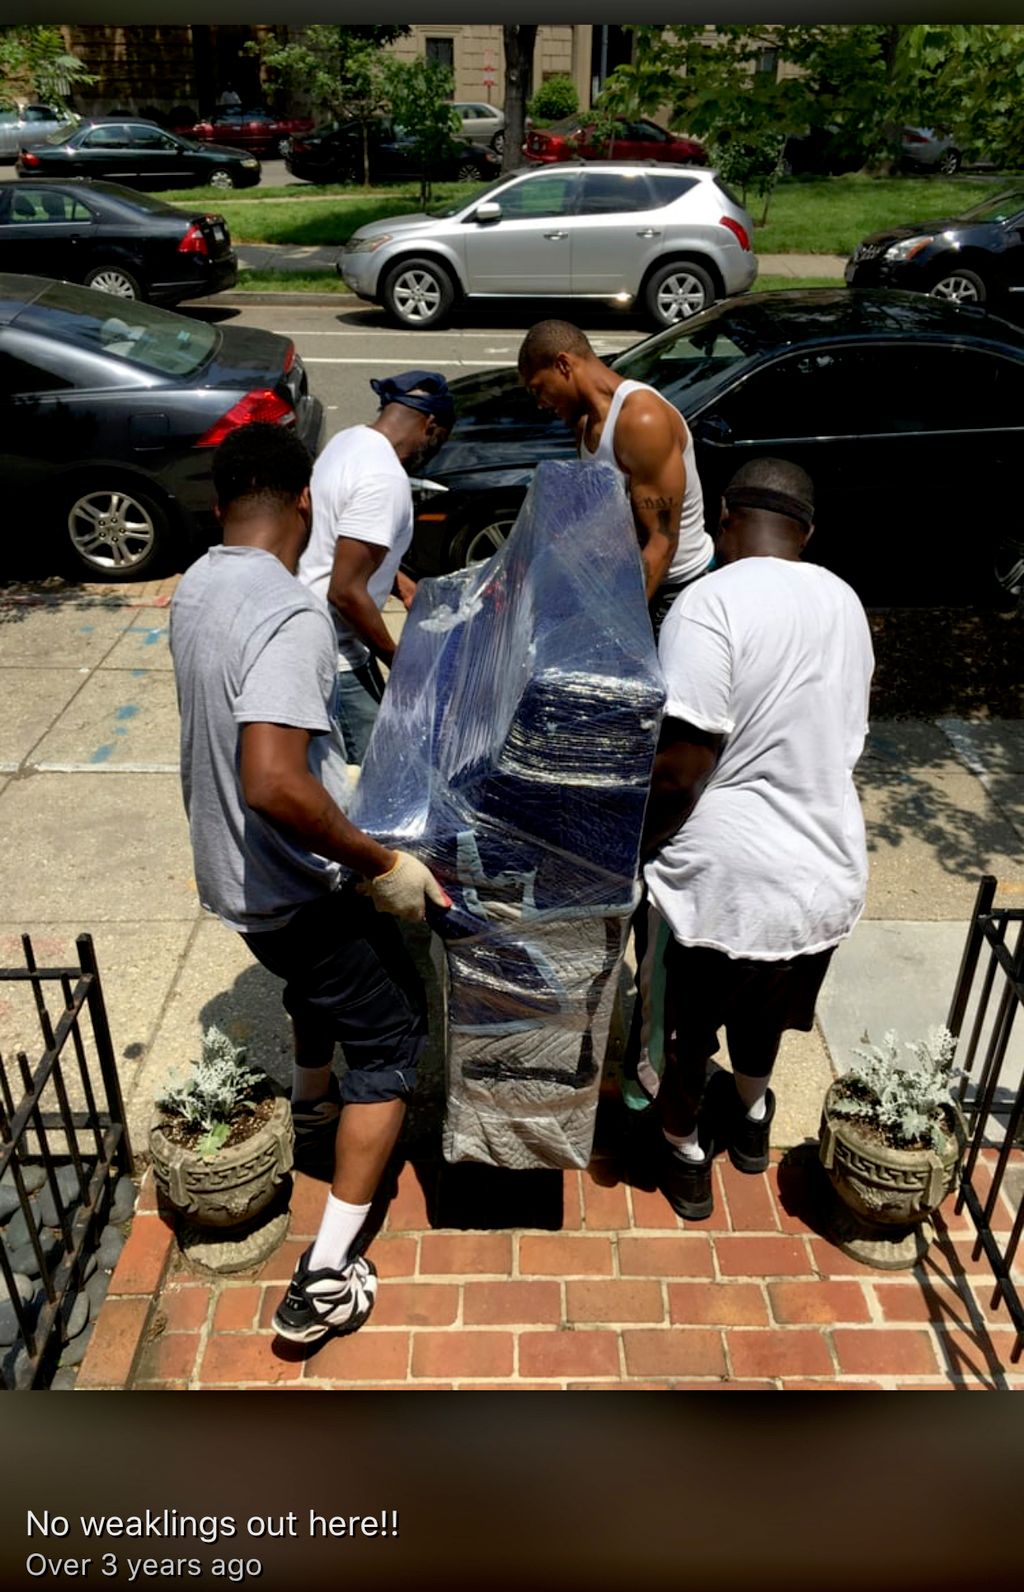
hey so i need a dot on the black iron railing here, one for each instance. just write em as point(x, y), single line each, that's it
point(988, 998)
point(61, 1115)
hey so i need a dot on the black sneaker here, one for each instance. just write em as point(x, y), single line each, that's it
point(316, 1124)
point(321, 1302)
point(746, 1141)
point(686, 1184)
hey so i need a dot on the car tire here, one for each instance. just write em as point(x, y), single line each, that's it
point(1008, 573)
point(958, 285)
point(498, 143)
point(113, 279)
point(949, 165)
point(483, 536)
point(116, 530)
point(676, 291)
point(417, 293)
point(467, 172)
point(221, 178)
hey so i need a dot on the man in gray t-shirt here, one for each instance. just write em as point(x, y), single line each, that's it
point(275, 857)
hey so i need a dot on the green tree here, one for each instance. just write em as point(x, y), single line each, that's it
point(36, 60)
point(419, 94)
point(341, 69)
point(555, 99)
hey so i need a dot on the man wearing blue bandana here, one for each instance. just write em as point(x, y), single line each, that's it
point(362, 526)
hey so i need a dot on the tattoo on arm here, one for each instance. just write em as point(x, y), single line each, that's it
point(662, 504)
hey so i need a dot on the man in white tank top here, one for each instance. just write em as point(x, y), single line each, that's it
point(636, 431)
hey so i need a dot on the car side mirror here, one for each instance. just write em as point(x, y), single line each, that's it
point(490, 211)
point(713, 430)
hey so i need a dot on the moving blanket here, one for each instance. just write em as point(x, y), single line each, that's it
point(513, 754)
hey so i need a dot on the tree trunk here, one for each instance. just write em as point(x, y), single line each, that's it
point(520, 39)
point(366, 155)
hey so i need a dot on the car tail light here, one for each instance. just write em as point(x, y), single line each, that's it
point(259, 405)
point(289, 358)
point(194, 241)
point(737, 231)
point(26, 158)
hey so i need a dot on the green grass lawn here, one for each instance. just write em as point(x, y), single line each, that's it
point(830, 215)
point(330, 282)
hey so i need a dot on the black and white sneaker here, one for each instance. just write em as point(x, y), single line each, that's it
point(321, 1302)
point(316, 1125)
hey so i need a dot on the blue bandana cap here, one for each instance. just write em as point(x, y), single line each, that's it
point(424, 390)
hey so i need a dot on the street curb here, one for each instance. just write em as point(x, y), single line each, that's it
point(241, 299)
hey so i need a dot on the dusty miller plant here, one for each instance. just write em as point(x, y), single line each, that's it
point(912, 1106)
point(219, 1089)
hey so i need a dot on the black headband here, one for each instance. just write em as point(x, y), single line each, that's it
point(762, 497)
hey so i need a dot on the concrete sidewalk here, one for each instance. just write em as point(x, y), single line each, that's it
point(95, 839)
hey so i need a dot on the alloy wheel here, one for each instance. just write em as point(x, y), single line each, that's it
point(111, 530)
point(417, 295)
point(680, 296)
point(111, 280)
point(957, 289)
point(221, 179)
point(488, 539)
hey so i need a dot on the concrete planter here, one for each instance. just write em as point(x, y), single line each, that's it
point(886, 1195)
point(232, 1206)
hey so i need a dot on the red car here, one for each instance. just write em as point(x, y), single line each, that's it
point(639, 140)
point(259, 132)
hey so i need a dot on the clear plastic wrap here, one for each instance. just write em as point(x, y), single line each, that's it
point(513, 754)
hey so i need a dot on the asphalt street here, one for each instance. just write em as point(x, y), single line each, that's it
point(344, 346)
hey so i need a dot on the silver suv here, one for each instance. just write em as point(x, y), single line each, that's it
point(671, 237)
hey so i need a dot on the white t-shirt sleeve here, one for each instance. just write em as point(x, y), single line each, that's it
point(373, 510)
point(695, 653)
point(291, 681)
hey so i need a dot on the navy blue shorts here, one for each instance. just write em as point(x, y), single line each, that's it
point(349, 976)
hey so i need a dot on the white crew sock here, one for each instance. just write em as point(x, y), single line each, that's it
point(753, 1092)
point(338, 1227)
point(688, 1144)
point(310, 1083)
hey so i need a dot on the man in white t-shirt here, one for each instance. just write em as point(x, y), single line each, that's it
point(362, 527)
point(754, 832)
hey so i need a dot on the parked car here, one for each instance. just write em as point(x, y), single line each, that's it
point(21, 126)
point(907, 413)
point(974, 258)
point(107, 237)
point(634, 140)
point(673, 238)
point(335, 154)
point(258, 131)
point(482, 124)
point(109, 415)
point(137, 153)
point(928, 149)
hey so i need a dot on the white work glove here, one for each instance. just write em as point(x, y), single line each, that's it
point(405, 889)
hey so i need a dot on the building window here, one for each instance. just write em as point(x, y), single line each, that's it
point(441, 52)
point(768, 61)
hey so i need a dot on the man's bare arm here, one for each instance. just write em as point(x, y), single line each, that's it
point(684, 763)
point(277, 784)
point(348, 592)
point(647, 450)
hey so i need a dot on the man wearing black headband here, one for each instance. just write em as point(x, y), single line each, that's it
point(362, 526)
point(757, 862)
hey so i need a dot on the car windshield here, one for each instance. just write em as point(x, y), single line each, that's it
point(442, 212)
point(998, 209)
point(689, 359)
point(60, 135)
point(150, 339)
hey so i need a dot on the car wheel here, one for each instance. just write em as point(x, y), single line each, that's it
point(498, 143)
point(222, 178)
point(959, 286)
point(467, 172)
point(949, 165)
point(482, 538)
point(115, 533)
point(284, 147)
point(1008, 569)
point(677, 291)
point(418, 293)
point(113, 279)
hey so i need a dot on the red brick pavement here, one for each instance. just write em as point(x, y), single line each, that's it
point(623, 1296)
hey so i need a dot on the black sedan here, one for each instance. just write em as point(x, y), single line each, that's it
point(907, 413)
point(335, 154)
point(106, 237)
point(109, 415)
point(975, 258)
point(140, 154)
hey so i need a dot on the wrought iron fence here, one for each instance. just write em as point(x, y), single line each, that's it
point(63, 1141)
point(988, 997)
